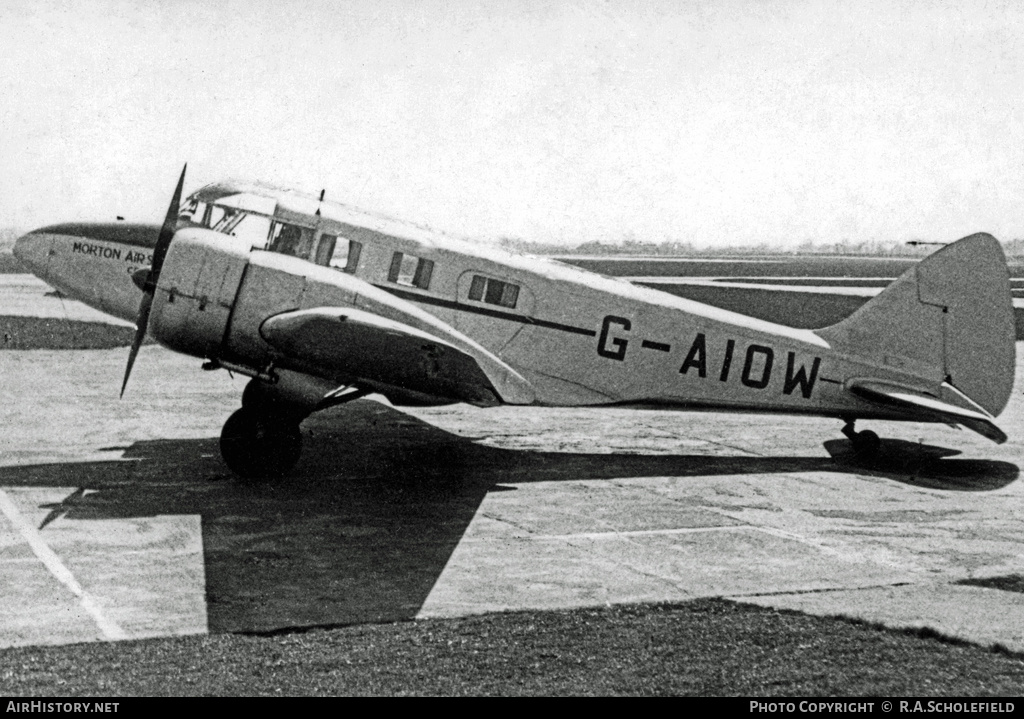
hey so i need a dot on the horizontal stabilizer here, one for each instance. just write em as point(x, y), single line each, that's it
point(929, 409)
point(360, 345)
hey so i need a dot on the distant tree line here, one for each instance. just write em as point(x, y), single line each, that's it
point(876, 248)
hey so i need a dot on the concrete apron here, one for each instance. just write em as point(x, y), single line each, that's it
point(119, 520)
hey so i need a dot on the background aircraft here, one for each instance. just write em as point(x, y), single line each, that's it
point(321, 304)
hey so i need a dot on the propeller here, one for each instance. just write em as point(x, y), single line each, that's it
point(150, 280)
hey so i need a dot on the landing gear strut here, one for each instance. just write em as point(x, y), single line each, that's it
point(260, 444)
point(865, 443)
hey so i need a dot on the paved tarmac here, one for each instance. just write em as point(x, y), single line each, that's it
point(119, 520)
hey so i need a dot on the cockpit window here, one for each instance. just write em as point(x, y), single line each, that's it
point(226, 220)
point(291, 240)
point(195, 214)
point(253, 228)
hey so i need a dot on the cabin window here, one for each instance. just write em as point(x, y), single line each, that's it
point(345, 254)
point(410, 270)
point(493, 292)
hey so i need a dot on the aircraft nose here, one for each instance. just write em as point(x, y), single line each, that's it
point(33, 250)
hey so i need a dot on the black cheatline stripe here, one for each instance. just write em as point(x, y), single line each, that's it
point(660, 346)
point(121, 233)
point(833, 381)
point(523, 319)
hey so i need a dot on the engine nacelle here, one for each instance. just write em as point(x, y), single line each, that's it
point(196, 291)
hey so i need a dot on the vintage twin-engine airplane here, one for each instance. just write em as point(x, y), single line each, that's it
point(321, 304)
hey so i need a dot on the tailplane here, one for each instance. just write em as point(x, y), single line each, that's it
point(948, 321)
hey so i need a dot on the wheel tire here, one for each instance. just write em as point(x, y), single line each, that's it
point(257, 445)
point(867, 443)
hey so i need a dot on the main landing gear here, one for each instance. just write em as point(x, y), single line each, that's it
point(865, 443)
point(262, 440)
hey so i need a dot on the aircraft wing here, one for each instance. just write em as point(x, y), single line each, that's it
point(927, 407)
point(381, 352)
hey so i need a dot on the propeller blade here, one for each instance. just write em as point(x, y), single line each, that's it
point(166, 232)
point(148, 283)
point(140, 335)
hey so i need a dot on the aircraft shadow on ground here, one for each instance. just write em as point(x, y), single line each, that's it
point(924, 465)
point(380, 500)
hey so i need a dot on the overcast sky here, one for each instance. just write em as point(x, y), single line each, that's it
point(725, 122)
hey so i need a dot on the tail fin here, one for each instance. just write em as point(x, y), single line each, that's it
point(948, 319)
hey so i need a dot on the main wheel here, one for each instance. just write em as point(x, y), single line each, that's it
point(260, 445)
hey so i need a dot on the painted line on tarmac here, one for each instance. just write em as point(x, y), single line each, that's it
point(110, 629)
point(613, 534)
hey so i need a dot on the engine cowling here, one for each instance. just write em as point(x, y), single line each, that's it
point(196, 291)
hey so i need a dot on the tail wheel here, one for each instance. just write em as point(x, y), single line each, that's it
point(260, 445)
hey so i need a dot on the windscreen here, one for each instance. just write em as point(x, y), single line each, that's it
point(226, 217)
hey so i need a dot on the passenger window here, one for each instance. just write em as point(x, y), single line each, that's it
point(410, 270)
point(493, 292)
point(346, 255)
